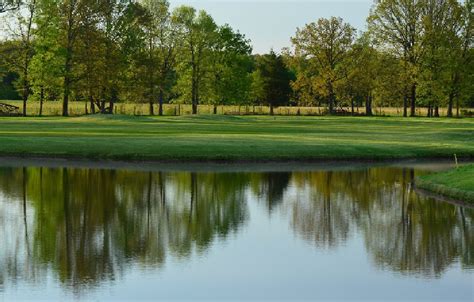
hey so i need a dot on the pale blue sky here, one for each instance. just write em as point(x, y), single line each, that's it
point(271, 23)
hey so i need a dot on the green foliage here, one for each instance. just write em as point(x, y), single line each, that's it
point(231, 67)
point(200, 35)
point(46, 64)
point(272, 80)
point(415, 53)
point(326, 44)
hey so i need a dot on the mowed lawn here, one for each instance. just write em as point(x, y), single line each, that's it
point(210, 137)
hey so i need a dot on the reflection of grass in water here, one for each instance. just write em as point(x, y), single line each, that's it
point(236, 138)
point(456, 183)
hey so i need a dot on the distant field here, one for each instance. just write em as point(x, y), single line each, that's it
point(79, 108)
point(209, 137)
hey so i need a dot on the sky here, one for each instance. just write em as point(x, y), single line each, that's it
point(270, 24)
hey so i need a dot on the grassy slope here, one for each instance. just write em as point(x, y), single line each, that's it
point(455, 183)
point(236, 138)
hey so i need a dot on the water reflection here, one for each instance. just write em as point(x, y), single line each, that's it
point(402, 231)
point(89, 225)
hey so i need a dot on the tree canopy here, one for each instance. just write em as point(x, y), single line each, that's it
point(413, 54)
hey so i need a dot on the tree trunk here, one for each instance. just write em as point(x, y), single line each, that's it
point(92, 105)
point(331, 102)
point(66, 97)
point(405, 105)
point(428, 114)
point(352, 106)
point(160, 103)
point(67, 73)
point(457, 107)
point(436, 111)
point(112, 102)
point(214, 110)
point(413, 100)
point(41, 101)
point(450, 105)
point(271, 109)
point(368, 105)
point(25, 98)
point(151, 108)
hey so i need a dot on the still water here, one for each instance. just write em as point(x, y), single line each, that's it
point(342, 232)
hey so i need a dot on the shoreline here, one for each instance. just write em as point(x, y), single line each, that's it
point(443, 198)
point(213, 165)
point(457, 183)
point(432, 164)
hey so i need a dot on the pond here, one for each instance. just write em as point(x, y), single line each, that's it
point(297, 231)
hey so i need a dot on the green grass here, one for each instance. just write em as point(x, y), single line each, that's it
point(208, 137)
point(456, 183)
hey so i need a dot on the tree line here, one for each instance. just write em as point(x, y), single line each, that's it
point(413, 53)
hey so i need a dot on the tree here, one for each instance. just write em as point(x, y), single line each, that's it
point(398, 25)
point(327, 43)
point(109, 17)
point(90, 51)
point(22, 34)
point(45, 71)
point(161, 40)
point(71, 19)
point(460, 58)
point(441, 22)
point(390, 82)
point(362, 63)
point(199, 33)
point(272, 80)
point(231, 66)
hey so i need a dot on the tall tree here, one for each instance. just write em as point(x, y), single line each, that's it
point(109, 14)
point(399, 27)
point(231, 68)
point(328, 43)
point(461, 57)
point(362, 67)
point(22, 33)
point(46, 62)
point(441, 21)
point(199, 32)
point(71, 14)
point(273, 80)
point(160, 50)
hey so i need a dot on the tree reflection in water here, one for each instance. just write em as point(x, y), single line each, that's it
point(402, 231)
point(89, 225)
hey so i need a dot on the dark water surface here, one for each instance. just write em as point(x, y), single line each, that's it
point(343, 232)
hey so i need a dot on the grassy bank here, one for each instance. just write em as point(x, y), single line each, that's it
point(235, 138)
point(456, 183)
